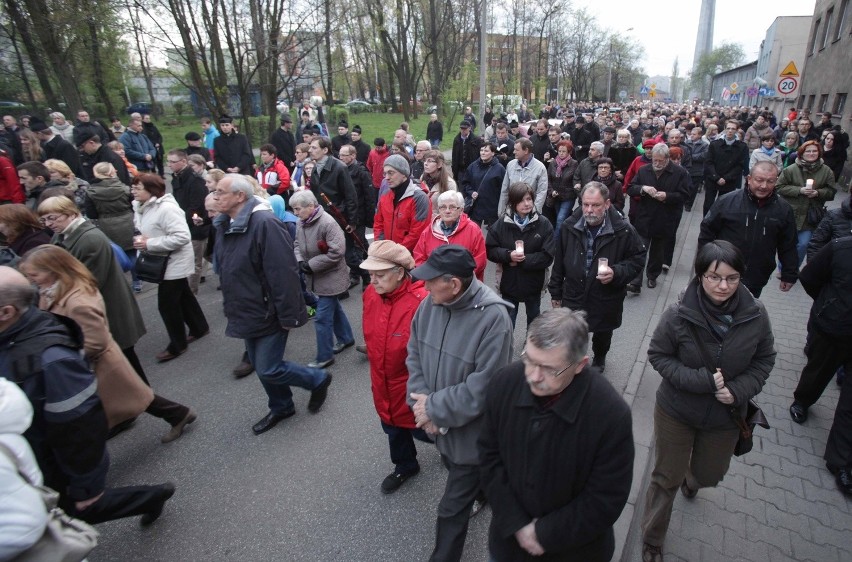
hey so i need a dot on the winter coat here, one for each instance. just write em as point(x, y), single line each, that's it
point(533, 173)
point(754, 134)
point(362, 151)
point(792, 180)
point(582, 138)
point(136, 147)
point(541, 146)
point(122, 392)
point(562, 184)
point(828, 280)
point(28, 240)
point(261, 292)
point(376, 164)
point(465, 153)
point(91, 246)
point(60, 149)
point(285, 146)
point(836, 224)
point(320, 242)
point(700, 150)
point(11, 190)
point(453, 352)
point(153, 133)
point(486, 180)
point(526, 279)
point(569, 466)
point(163, 222)
point(745, 356)
point(835, 159)
point(726, 161)
point(616, 192)
point(467, 234)
point(586, 169)
point(103, 154)
point(622, 156)
point(758, 155)
point(387, 326)
point(578, 289)
point(233, 151)
point(403, 221)
point(190, 191)
point(435, 131)
point(274, 178)
point(759, 230)
point(111, 199)
point(365, 193)
point(660, 218)
point(334, 181)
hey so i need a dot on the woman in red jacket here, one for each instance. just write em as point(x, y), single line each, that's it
point(389, 305)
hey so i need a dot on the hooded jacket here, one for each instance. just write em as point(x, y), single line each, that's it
point(376, 164)
point(163, 222)
point(454, 350)
point(745, 356)
point(403, 221)
point(112, 200)
point(467, 234)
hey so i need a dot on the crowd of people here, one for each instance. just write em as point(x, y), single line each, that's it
point(584, 205)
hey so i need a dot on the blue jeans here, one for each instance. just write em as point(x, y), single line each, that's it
point(804, 239)
point(532, 305)
point(565, 208)
point(330, 322)
point(277, 375)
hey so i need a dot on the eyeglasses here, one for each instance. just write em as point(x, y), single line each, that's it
point(549, 371)
point(448, 207)
point(50, 218)
point(174, 161)
point(716, 279)
point(220, 192)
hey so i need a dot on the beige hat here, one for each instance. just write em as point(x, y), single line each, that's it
point(385, 254)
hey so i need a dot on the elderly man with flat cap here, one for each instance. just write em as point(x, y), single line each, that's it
point(460, 337)
point(390, 302)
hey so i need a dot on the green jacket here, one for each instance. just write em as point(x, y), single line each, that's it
point(792, 180)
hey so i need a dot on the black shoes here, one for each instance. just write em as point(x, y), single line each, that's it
point(652, 283)
point(338, 347)
point(634, 288)
point(600, 363)
point(190, 338)
point(798, 412)
point(270, 421)
point(843, 476)
point(319, 395)
point(394, 480)
point(244, 369)
point(168, 490)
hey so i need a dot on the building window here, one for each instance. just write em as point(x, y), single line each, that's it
point(839, 104)
point(814, 37)
point(841, 20)
point(811, 102)
point(823, 103)
point(826, 33)
point(802, 100)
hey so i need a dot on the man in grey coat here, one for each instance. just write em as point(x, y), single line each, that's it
point(460, 336)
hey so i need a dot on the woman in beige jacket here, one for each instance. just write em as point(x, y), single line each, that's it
point(67, 288)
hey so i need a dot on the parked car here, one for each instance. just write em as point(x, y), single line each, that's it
point(142, 107)
point(458, 105)
point(358, 106)
point(11, 105)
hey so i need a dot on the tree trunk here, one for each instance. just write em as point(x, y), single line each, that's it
point(97, 66)
point(20, 22)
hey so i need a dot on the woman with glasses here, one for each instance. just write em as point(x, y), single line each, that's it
point(714, 350)
point(452, 226)
point(437, 177)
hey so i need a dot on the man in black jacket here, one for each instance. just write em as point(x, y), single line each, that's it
point(366, 195)
point(556, 449)
point(466, 147)
point(761, 224)
point(540, 141)
point(726, 164)
point(580, 281)
point(362, 149)
point(231, 150)
point(341, 139)
point(55, 146)
point(190, 191)
point(331, 178)
point(284, 142)
point(93, 152)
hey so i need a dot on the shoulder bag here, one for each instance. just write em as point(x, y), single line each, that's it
point(151, 267)
point(65, 538)
point(754, 415)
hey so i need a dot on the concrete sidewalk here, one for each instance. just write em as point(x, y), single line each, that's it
point(778, 502)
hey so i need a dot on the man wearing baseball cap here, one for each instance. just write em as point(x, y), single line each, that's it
point(460, 337)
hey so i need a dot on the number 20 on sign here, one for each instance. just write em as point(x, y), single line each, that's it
point(787, 85)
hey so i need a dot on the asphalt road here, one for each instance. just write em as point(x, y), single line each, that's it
point(306, 490)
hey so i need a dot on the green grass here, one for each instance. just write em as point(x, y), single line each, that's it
point(373, 125)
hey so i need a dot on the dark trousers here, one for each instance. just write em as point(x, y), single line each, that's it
point(117, 503)
point(166, 410)
point(755, 291)
point(697, 181)
point(825, 354)
point(133, 359)
point(712, 190)
point(601, 342)
point(838, 450)
point(355, 255)
point(177, 306)
point(454, 511)
point(656, 246)
point(403, 453)
point(670, 242)
point(532, 306)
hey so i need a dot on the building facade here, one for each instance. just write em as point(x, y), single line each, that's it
point(784, 43)
point(730, 87)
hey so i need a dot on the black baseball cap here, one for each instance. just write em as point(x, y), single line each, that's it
point(451, 259)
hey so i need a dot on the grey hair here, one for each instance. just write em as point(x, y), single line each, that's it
point(561, 327)
point(596, 186)
point(56, 114)
point(303, 199)
point(675, 131)
point(660, 149)
point(453, 196)
point(597, 145)
point(622, 132)
point(770, 166)
point(240, 183)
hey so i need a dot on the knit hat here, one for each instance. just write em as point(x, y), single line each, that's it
point(648, 144)
point(385, 254)
point(398, 163)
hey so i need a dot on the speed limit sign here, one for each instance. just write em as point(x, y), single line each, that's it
point(787, 85)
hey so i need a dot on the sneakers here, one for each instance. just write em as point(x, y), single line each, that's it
point(338, 347)
point(137, 286)
point(321, 364)
point(394, 480)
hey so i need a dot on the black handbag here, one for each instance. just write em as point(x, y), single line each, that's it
point(151, 268)
point(754, 415)
point(815, 214)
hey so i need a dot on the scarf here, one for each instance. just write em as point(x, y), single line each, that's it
point(560, 164)
point(767, 151)
point(310, 217)
point(719, 317)
point(49, 294)
point(429, 181)
point(522, 222)
point(809, 166)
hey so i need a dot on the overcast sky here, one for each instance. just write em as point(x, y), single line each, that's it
point(667, 30)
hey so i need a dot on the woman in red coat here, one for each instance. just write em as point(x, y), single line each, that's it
point(390, 302)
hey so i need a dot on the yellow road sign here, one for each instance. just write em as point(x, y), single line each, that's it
point(652, 93)
point(790, 70)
